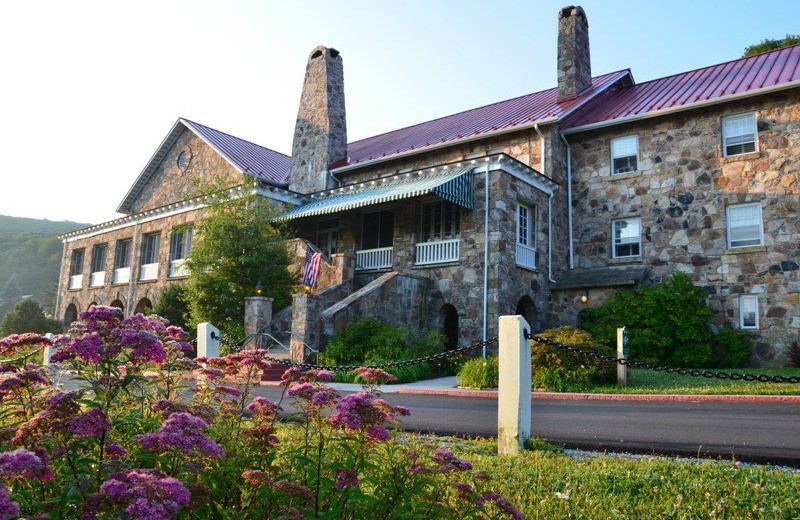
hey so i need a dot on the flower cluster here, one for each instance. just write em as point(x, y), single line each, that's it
point(374, 376)
point(15, 343)
point(263, 408)
point(359, 411)
point(315, 396)
point(25, 464)
point(92, 422)
point(183, 432)
point(295, 375)
point(139, 493)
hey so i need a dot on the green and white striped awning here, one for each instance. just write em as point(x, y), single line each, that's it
point(455, 186)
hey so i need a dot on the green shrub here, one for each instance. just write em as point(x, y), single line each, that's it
point(479, 373)
point(734, 347)
point(173, 304)
point(28, 316)
point(563, 371)
point(668, 323)
point(371, 342)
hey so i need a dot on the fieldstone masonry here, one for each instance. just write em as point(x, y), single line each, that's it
point(574, 65)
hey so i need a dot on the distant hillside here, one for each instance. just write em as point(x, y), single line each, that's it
point(30, 255)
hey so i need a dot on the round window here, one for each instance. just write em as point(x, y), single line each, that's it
point(183, 160)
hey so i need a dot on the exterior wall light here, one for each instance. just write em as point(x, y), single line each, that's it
point(585, 297)
point(259, 288)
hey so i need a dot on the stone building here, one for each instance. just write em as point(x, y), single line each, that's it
point(540, 205)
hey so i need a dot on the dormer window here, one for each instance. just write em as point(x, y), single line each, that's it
point(624, 155)
point(739, 134)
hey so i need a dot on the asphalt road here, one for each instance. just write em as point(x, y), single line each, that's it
point(759, 432)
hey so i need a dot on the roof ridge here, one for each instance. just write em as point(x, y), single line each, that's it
point(742, 58)
point(475, 108)
point(235, 137)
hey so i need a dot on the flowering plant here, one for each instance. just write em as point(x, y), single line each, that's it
point(142, 431)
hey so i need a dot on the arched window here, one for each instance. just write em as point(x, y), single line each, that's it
point(70, 315)
point(144, 306)
point(118, 304)
point(450, 325)
point(527, 309)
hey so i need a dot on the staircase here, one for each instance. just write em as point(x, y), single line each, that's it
point(277, 338)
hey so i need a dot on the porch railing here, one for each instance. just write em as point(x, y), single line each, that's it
point(122, 275)
point(438, 252)
point(526, 256)
point(369, 259)
point(148, 272)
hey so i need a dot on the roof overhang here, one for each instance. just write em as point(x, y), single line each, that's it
point(683, 108)
point(598, 277)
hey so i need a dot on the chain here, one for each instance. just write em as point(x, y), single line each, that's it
point(733, 376)
point(347, 368)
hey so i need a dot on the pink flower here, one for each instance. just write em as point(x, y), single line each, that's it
point(378, 433)
point(346, 477)
point(23, 463)
point(358, 412)
point(183, 432)
point(92, 423)
point(144, 346)
point(374, 375)
point(115, 450)
point(261, 407)
point(449, 462)
point(139, 493)
point(8, 508)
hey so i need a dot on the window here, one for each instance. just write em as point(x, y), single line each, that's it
point(748, 311)
point(744, 225)
point(627, 237)
point(150, 243)
point(179, 243)
point(328, 237)
point(76, 266)
point(377, 230)
point(525, 225)
point(183, 158)
point(624, 155)
point(739, 134)
point(98, 263)
point(440, 221)
point(122, 254)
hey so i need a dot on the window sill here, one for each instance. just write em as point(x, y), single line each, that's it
point(631, 260)
point(745, 250)
point(624, 176)
point(120, 284)
point(177, 277)
point(526, 268)
point(749, 156)
point(148, 280)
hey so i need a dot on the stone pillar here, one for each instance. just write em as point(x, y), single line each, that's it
point(257, 315)
point(514, 386)
point(574, 63)
point(306, 326)
point(344, 265)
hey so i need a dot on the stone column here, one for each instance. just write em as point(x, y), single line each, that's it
point(257, 315)
point(305, 325)
point(343, 266)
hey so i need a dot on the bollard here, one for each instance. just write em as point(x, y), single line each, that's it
point(206, 345)
point(622, 352)
point(47, 351)
point(514, 387)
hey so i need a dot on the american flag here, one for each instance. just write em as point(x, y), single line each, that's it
point(311, 271)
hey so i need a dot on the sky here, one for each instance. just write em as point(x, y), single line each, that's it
point(89, 89)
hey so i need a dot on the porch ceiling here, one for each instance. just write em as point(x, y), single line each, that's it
point(455, 185)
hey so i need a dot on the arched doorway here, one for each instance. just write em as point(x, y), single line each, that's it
point(118, 304)
point(70, 314)
point(527, 309)
point(144, 306)
point(450, 325)
point(91, 305)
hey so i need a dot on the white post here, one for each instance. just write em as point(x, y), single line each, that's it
point(207, 346)
point(48, 351)
point(514, 392)
point(622, 370)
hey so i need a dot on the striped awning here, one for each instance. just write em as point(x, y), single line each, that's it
point(455, 186)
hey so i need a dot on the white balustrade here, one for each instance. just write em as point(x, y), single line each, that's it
point(75, 281)
point(438, 252)
point(97, 279)
point(176, 268)
point(370, 259)
point(526, 256)
point(148, 272)
point(122, 275)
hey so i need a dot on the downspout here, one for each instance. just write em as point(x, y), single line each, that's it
point(549, 212)
point(60, 278)
point(569, 198)
point(485, 258)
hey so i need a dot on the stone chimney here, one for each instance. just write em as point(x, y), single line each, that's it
point(574, 64)
point(320, 134)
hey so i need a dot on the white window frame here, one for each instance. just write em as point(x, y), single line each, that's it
point(330, 229)
point(725, 136)
point(760, 224)
point(76, 268)
point(742, 299)
point(185, 243)
point(611, 153)
point(614, 238)
point(525, 237)
point(430, 235)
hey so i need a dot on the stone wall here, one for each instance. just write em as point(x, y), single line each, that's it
point(170, 183)
point(681, 191)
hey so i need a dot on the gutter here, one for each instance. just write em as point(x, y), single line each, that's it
point(682, 108)
point(485, 260)
point(569, 198)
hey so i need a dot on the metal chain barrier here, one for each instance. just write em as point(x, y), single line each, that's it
point(347, 368)
point(693, 372)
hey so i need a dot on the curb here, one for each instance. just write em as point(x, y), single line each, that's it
point(618, 397)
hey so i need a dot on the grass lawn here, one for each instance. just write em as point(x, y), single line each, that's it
point(642, 381)
point(544, 483)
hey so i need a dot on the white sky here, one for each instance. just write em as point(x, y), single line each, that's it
point(89, 89)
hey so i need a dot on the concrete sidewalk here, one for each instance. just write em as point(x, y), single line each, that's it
point(449, 386)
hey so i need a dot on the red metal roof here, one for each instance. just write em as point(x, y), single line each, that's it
point(537, 107)
point(741, 77)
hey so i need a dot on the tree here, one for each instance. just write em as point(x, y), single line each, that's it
point(769, 44)
point(237, 245)
point(28, 316)
point(10, 294)
point(173, 305)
